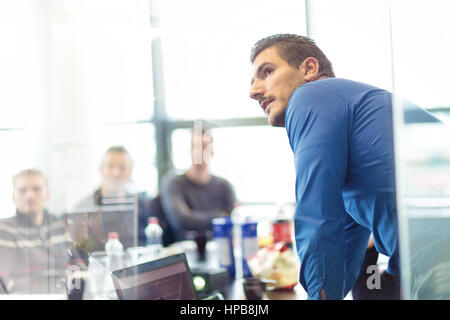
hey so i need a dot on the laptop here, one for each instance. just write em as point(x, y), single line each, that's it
point(167, 278)
point(115, 217)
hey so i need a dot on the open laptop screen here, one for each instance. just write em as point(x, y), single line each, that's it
point(111, 217)
point(168, 278)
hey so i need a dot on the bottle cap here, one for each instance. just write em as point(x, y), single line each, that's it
point(113, 235)
point(153, 220)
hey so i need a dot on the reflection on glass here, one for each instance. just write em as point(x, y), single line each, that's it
point(426, 223)
point(206, 52)
point(115, 206)
point(13, 160)
point(113, 215)
point(422, 149)
point(253, 159)
point(34, 243)
point(429, 253)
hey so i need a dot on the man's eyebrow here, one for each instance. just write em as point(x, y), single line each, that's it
point(258, 71)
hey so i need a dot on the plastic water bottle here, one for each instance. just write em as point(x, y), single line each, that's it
point(114, 252)
point(153, 234)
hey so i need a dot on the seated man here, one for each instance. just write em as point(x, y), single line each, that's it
point(34, 244)
point(191, 200)
point(113, 193)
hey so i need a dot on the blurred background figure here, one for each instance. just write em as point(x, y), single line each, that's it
point(34, 243)
point(190, 201)
point(116, 193)
point(363, 289)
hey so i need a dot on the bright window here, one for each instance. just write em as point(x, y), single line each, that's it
point(206, 52)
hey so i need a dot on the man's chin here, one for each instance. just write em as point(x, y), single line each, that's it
point(31, 211)
point(276, 120)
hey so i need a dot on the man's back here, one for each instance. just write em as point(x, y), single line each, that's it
point(341, 135)
point(366, 112)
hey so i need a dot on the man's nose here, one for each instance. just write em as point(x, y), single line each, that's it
point(30, 194)
point(256, 90)
point(116, 173)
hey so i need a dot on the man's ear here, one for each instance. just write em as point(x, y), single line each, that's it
point(311, 69)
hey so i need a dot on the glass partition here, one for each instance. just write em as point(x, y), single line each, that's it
point(77, 79)
point(254, 159)
point(206, 52)
point(420, 66)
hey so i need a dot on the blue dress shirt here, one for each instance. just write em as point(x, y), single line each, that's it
point(341, 134)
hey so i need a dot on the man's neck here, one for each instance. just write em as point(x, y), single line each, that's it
point(199, 174)
point(112, 193)
point(35, 218)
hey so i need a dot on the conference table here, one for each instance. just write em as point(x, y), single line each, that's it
point(232, 290)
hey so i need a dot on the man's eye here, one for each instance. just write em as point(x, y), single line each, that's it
point(268, 72)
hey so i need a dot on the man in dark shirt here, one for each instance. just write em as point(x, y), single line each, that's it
point(191, 200)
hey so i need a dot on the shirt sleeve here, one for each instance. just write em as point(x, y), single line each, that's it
point(8, 254)
point(230, 197)
point(317, 126)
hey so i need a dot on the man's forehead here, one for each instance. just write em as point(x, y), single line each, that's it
point(114, 157)
point(29, 181)
point(270, 54)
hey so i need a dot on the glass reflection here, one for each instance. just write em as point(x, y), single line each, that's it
point(422, 150)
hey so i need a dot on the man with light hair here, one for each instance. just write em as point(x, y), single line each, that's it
point(33, 243)
point(114, 190)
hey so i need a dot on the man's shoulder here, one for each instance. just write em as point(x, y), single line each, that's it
point(11, 228)
point(341, 87)
point(221, 181)
point(8, 232)
point(340, 83)
point(6, 223)
point(174, 177)
point(333, 92)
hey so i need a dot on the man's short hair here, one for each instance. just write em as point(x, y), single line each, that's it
point(117, 149)
point(294, 49)
point(27, 173)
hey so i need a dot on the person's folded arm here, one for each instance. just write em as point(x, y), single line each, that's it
point(177, 210)
point(316, 122)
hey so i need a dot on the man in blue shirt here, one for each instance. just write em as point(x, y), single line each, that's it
point(341, 134)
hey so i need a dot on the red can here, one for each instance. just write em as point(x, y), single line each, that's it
point(281, 231)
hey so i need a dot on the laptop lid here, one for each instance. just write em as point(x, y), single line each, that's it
point(167, 278)
point(112, 217)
